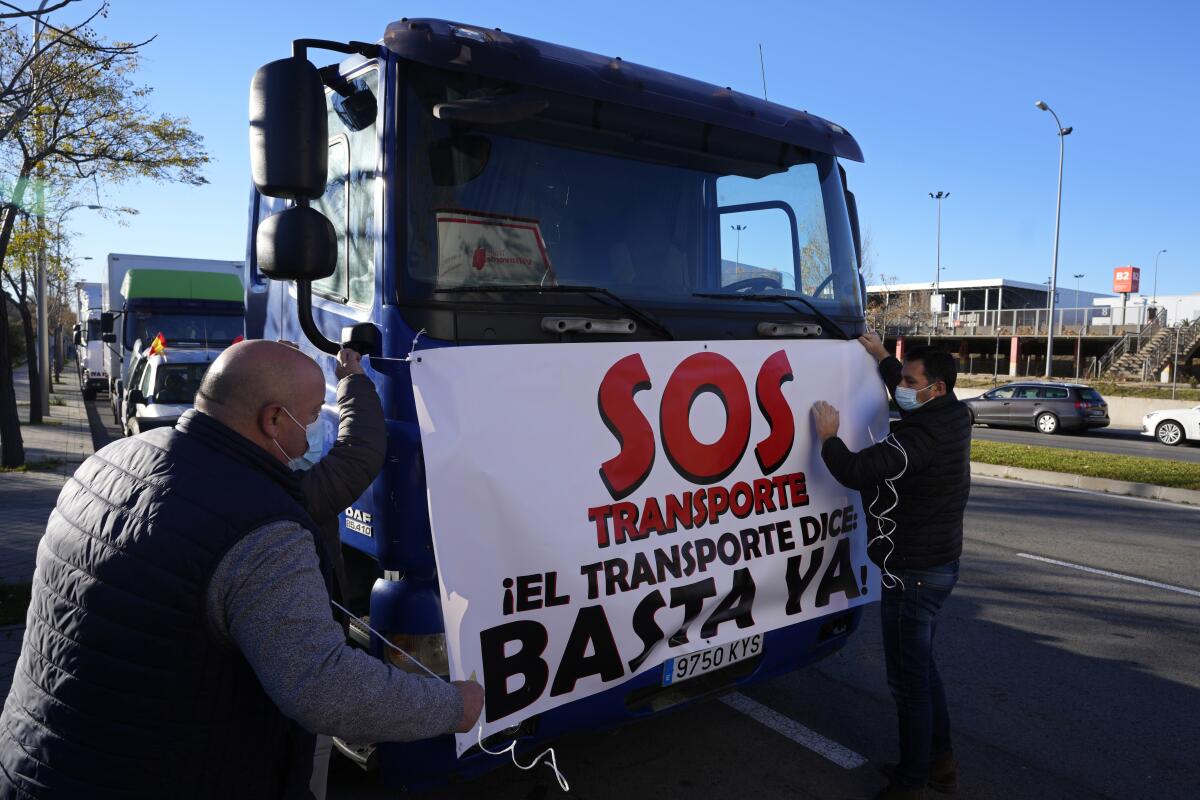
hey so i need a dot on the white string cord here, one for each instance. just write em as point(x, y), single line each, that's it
point(551, 762)
point(511, 750)
point(413, 349)
point(888, 526)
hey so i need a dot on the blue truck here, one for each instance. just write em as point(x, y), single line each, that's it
point(671, 209)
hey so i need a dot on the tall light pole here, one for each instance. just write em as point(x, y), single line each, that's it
point(737, 253)
point(937, 275)
point(1062, 134)
point(1156, 255)
point(1078, 327)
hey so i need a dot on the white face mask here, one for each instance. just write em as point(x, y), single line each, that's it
point(906, 397)
point(314, 434)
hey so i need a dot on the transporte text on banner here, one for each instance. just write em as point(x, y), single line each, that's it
point(604, 510)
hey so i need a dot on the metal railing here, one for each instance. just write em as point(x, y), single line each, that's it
point(1083, 321)
point(1146, 354)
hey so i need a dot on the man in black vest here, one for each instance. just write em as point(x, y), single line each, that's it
point(179, 641)
point(927, 458)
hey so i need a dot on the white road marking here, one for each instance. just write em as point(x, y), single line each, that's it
point(1108, 574)
point(805, 737)
point(1093, 492)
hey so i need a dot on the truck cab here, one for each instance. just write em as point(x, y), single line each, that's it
point(89, 349)
point(458, 186)
point(188, 308)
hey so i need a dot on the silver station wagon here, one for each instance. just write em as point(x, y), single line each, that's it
point(1046, 407)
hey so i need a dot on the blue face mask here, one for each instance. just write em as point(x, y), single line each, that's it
point(314, 434)
point(906, 397)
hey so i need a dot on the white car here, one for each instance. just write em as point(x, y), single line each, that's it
point(162, 387)
point(1173, 426)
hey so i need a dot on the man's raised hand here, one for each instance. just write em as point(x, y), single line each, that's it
point(349, 362)
point(873, 345)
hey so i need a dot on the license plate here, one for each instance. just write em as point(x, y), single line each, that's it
point(681, 668)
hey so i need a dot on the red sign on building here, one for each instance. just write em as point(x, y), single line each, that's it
point(1126, 279)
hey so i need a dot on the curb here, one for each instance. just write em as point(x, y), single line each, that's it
point(1148, 491)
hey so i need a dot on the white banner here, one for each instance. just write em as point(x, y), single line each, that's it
point(600, 510)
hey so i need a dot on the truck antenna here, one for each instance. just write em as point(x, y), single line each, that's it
point(762, 66)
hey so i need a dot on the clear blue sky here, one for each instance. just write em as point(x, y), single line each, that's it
point(940, 95)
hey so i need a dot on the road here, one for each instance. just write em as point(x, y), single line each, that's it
point(1062, 683)
point(1120, 441)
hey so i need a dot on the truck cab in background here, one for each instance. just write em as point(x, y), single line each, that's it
point(190, 307)
point(472, 187)
point(90, 362)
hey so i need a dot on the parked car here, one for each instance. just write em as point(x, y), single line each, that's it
point(1173, 426)
point(1045, 407)
point(162, 387)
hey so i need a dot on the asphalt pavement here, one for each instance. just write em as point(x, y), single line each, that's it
point(1063, 682)
point(1120, 441)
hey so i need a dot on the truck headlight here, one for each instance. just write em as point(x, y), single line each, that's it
point(427, 648)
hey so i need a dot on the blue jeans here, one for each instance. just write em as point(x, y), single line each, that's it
point(909, 624)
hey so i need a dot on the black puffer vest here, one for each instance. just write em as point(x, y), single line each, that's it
point(121, 690)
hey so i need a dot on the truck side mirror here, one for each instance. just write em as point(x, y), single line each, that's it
point(78, 338)
point(135, 398)
point(289, 130)
point(852, 207)
point(297, 244)
point(852, 210)
point(106, 323)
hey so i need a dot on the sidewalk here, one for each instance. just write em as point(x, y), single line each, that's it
point(28, 497)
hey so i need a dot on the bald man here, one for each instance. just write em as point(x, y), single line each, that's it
point(179, 640)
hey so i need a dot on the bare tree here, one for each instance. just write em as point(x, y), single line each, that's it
point(78, 116)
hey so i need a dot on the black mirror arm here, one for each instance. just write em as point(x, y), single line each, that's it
point(307, 324)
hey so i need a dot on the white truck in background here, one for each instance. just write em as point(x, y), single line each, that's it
point(117, 335)
point(89, 349)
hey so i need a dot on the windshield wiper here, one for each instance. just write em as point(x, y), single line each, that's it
point(645, 317)
point(779, 298)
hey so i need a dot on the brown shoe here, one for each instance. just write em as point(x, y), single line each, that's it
point(943, 773)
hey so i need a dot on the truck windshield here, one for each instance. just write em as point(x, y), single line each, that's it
point(541, 203)
point(178, 383)
point(190, 328)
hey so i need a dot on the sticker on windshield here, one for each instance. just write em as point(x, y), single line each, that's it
point(478, 248)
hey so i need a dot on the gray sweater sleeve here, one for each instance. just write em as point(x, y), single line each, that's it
point(267, 599)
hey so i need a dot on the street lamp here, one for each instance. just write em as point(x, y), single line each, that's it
point(937, 275)
point(737, 253)
point(1156, 255)
point(1062, 134)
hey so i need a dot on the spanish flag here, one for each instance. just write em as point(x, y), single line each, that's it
point(158, 345)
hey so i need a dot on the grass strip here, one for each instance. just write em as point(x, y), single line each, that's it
point(37, 465)
point(1160, 472)
point(14, 600)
